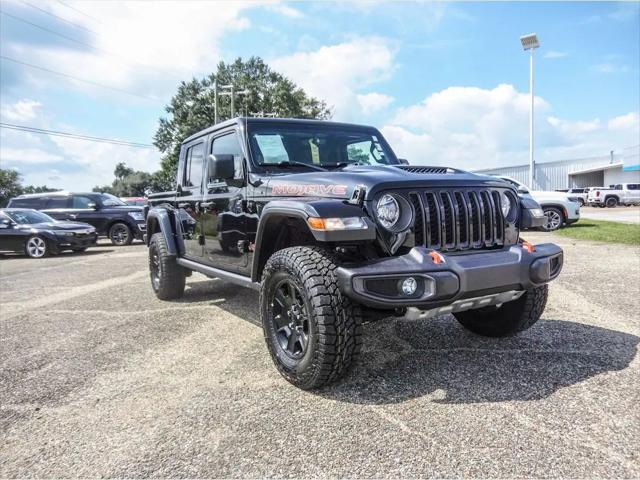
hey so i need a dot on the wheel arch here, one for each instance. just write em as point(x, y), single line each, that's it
point(559, 206)
point(159, 221)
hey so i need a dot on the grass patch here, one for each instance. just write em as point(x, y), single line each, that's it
point(603, 231)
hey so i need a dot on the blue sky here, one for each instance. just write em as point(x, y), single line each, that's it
point(446, 82)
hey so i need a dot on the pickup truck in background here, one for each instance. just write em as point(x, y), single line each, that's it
point(620, 194)
point(578, 195)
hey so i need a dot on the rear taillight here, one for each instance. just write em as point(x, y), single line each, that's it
point(597, 194)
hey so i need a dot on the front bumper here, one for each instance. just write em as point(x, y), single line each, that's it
point(68, 242)
point(140, 230)
point(461, 275)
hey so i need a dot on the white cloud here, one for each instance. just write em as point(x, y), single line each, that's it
point(21, 111)
point(475, 128)
point(373, 102)
point(22, 156)
point(610, 67)
point(555, 54)
point(286, 10)
point(336, 72)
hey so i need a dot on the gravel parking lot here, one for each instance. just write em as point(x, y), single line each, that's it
point(99, 378)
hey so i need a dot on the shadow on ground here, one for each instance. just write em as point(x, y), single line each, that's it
point(404, 359)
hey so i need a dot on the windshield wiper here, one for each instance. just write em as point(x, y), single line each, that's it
point(290, 163)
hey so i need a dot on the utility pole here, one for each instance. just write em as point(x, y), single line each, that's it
point(215, 102)
point(263, 114)
point(530, 42)
point(230, 90)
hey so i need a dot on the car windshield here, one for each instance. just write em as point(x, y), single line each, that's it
point(24, 217)
point(109, 200)
point(317, 146)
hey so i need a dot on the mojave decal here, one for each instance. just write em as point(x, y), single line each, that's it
point(299, 190)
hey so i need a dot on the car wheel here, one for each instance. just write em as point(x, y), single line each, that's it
point(510, 318)
point(36, 247)
point(312, 332)
point(554, 219)
point(120, 234)
point(611, 202)
point(167, 277)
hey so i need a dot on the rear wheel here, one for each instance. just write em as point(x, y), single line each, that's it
point(554, 219)
point(508, 319)
point(611, 202)
point(168, 279)
point(36, 247)
point(120, 234)
point(313, 333)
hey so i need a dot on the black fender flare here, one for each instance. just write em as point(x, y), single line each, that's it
point(279, 210)
point(159, 218)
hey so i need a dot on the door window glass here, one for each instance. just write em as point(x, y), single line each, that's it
point(57, 202)
point(634, 186)
point(80, 201)
point(193, 166)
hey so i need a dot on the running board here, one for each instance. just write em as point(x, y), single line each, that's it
point(231, 277)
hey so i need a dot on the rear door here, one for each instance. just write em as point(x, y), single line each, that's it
point(57, 206)
point(633, 192)
point(189, 196)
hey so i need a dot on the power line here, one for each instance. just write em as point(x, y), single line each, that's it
point(84, 44)
point(46, 12)
point(90, 82)
point(76, 136)
point(80, 12)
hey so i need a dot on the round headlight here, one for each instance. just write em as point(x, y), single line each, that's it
point(505, 202)
point(388, 211)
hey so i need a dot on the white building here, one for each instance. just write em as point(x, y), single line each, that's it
point(579, 172)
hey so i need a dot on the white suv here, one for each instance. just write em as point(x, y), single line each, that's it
point(558, 209)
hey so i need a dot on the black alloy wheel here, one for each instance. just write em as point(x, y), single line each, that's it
point(120, 234)
point(290, 319)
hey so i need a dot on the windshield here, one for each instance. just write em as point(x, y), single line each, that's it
point(109, 200)
point(24, 217)
point(320, 146)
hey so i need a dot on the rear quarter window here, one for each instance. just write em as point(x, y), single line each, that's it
point(36, 203)
point(634, 186)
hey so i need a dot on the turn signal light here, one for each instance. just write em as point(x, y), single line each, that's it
point(436, 257)
point(528, 247)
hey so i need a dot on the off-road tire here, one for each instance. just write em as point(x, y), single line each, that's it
point(509, 319)
point(335, 322)
point(170, 281)
point(117, 240)
point(611, 202)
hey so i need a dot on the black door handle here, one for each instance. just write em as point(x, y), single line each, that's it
point(183, 205)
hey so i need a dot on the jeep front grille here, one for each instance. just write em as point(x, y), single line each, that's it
point(458, 219)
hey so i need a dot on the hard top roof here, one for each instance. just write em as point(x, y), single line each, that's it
point(242, 121)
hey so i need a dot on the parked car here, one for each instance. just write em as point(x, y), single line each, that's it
point(558, 209)
point(120, 222)
point(325, 221)
point(620, 194)
point(578, 195)
point(135, 201)
point(37, 235)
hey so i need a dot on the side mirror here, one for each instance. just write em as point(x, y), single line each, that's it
point(403, 161)
point(6, 223)
point(221, 166)
point(522, 189)
point(92, 206)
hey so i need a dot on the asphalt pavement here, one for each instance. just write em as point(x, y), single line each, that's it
point(98, 378)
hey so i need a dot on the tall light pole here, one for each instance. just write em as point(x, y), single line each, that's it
point(231, 90)
point(530, 42)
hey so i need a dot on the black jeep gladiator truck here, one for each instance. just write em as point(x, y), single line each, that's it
point(334, 230)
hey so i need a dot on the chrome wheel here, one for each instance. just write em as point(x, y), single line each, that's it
point(36, 247)
point(554, 219)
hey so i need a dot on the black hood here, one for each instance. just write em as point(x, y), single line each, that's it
point(340, 183)
point(123, 208)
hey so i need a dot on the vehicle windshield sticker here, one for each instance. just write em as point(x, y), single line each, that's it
point(298, 190)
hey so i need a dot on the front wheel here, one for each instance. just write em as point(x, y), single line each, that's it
point(312, 332)
point(508, 319)
point(36, 247)
point(120, 234)
point(554, 219)
point(167, 277)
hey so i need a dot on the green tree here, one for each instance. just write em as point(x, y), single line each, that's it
point(131, 183)
point(192, 108)
point(122, 171)
point(11, 186)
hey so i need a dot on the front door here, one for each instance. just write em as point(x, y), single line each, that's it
point(224, 211)
point(189, 197)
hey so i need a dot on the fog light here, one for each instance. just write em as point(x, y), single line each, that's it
point(409, 286)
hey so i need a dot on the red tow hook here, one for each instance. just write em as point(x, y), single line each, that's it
point(436, 257)
point(529, 247)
